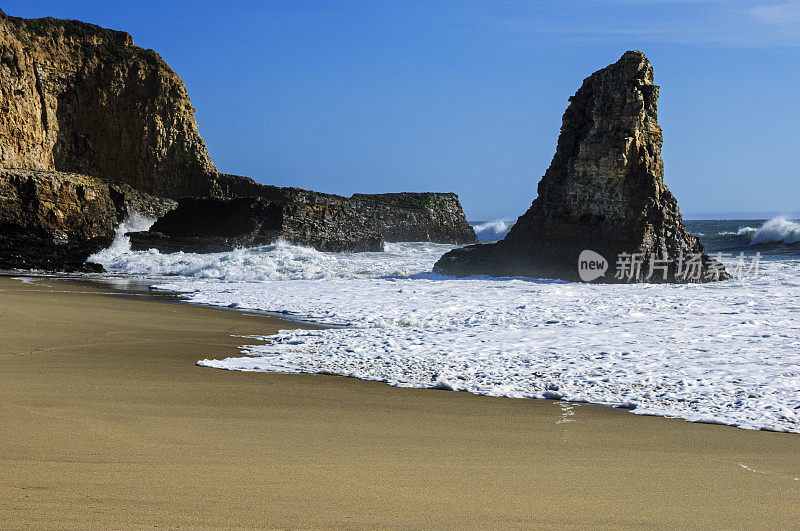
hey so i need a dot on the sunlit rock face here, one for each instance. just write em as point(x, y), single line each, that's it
point(84, 99)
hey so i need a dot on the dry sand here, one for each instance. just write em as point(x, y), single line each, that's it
point(106, 420)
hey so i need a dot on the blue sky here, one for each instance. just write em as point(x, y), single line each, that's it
point(463, 96)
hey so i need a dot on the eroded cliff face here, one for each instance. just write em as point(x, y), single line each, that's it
point(79, 98)
point(604, 191)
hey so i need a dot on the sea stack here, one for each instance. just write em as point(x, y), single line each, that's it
point(603, 193)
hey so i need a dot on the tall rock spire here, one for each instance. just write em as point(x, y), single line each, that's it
point(604, 191)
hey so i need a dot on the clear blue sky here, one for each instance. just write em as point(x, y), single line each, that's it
point(463, 96)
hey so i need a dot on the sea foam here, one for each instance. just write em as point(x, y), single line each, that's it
point(726, 352)
point(720, 352)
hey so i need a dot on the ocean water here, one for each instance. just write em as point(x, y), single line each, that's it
point(726, 353)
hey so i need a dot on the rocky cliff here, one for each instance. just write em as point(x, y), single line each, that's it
point(79, 98)
point(54, 221)
point(604, 191)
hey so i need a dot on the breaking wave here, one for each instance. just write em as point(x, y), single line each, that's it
point(122, 243)
point(492, 230)
point(776, 237)
point(777, 230)
point(278, 261)
point(744, 231)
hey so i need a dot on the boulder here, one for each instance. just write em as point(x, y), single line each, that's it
point(603, 192)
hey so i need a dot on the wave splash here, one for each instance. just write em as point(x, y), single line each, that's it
point(279, 261)
point(122, 243)
point(777, 230)
point(492, 230)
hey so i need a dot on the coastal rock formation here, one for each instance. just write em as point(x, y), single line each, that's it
point(322, 221)
point(397, 217)
point(604, 192)
point(54, 221)
point(416, 217)
point(80, 98)
point(88, 106)
point(210, 225)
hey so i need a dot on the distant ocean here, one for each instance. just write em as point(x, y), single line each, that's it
point(725, 353)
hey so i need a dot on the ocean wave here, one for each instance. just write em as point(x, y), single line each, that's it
point(492, 230)
point(279, 261)
point(777, 230)
point(744, 231)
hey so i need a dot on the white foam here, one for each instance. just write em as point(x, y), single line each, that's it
point(777, 230)
point(724, 353)
point(280, 261)
point(121, 245)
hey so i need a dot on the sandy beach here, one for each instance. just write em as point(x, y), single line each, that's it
point(107, 421)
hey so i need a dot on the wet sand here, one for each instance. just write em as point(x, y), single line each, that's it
point(107, 421)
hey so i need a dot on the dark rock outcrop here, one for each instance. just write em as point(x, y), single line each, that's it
point(604, 192)
point(54, 221)
point(323, 221)
point(212, 225)
point(398, 217)
point(416, 217)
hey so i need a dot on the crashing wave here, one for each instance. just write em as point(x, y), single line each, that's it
point(278, 261)
point(492, 230)
point(777, 230)
point(122, 243)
